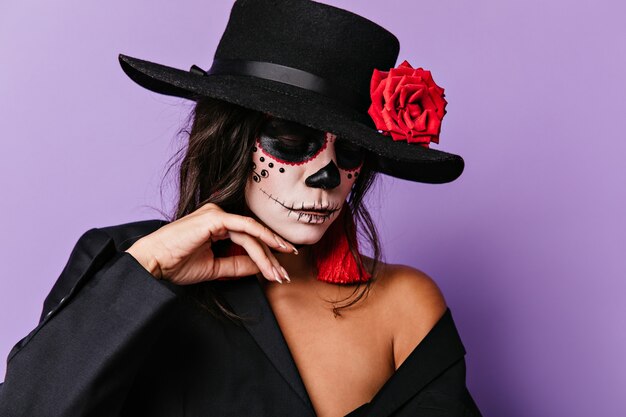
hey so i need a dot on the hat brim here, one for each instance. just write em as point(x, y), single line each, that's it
point(396, 158)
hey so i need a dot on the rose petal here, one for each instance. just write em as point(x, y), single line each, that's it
point(417, 95)
point(402, 130)
point(377, 78)
point(377, 105)
point(433, 124)
point(425, 74)
point(400, 71)
point(418, 78)
point(391, 108)
point(406, 94)
point(403, 116)
point(427, 103)
point(414, 110)
point(421, 121)
point(438, 101)
point(390, 121)
point(377, 95)
point(390, 88)
point(399, 122)
point(408, 120)
point(419, 138)
point(376, 117)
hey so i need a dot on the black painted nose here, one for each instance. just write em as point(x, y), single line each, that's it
point(326, 178)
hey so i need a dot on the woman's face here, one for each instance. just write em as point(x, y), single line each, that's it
point(300, 179)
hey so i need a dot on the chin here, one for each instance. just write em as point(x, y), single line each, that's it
point(297, 228)
point(302, 234)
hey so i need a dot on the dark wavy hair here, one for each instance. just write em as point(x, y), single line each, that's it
point(214, 166)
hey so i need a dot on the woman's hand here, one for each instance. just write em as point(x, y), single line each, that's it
point(181, 253)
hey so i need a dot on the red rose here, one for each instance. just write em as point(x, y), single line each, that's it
point(407, 104)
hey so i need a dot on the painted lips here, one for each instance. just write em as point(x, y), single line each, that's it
point(310, 214)
point(310, 217)
point(315, 210)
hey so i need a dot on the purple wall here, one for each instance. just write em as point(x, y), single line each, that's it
point(525, 245)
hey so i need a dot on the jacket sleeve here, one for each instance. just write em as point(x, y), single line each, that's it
point(101, 317)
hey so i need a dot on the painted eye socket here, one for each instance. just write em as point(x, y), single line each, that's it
point(349, 155)
point(291, 142)
point(290, 148)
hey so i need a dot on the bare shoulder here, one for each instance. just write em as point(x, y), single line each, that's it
point(412, 303)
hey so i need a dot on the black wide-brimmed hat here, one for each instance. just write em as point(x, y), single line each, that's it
point(309, 63)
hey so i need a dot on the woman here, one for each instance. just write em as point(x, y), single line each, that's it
point(255, 300)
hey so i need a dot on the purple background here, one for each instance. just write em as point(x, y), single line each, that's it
point(527, 245)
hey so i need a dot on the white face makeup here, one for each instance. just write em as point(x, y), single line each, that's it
point(300, 179)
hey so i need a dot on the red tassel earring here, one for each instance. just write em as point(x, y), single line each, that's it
point(335, 263)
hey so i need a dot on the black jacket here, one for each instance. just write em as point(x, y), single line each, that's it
point(114, 341)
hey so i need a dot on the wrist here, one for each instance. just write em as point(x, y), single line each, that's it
point(146, 259)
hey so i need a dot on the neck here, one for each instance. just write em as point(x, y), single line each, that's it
point(300, 267)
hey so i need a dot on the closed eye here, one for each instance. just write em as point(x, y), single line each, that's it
point(349, 155)
point(290, 148)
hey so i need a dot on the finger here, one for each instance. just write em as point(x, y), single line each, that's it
point(278, 268)
point(234, 266)
point(228, 221)
point(256, 253)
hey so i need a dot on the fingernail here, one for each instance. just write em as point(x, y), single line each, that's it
point(276, 275)
point(285, 274)
point(294, 249)
point(280, 242)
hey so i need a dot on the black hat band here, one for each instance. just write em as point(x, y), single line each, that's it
point(285, 75)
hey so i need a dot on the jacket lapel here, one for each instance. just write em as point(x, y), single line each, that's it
point(245, 296)
point(440, 349)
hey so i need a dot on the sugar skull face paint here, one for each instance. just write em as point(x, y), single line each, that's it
point(300, 179)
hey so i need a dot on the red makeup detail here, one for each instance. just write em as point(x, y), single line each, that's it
point(258, 142)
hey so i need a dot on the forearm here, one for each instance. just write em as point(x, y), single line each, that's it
point(81, 362)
